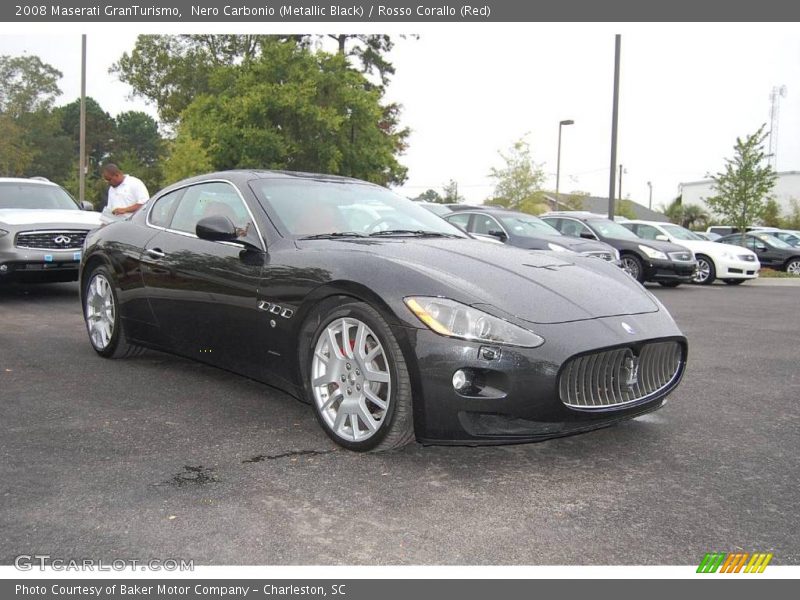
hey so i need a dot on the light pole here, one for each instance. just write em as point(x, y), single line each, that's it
point(558, 160)
point(650, 202)
point(621, 171)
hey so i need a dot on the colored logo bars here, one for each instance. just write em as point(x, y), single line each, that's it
point(734, 562)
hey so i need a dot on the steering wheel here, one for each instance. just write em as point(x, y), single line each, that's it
point(372, 227)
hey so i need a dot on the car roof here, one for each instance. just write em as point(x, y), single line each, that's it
point(31, 180)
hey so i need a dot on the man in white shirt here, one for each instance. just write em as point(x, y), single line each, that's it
point(127, 193)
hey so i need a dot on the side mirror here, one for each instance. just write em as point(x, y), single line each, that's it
point(216, 229)
point(87, 205)
point(662, 238)
point(498, 234)
point(588, 235)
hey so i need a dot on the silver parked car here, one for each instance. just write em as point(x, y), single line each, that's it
point(42, 229)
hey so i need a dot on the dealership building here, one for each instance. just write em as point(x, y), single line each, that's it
point(787, 187)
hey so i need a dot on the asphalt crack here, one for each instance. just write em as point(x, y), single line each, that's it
point(263, 457)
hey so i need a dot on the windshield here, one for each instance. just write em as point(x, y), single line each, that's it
point(437, 209)
point(35, 196)
point(612, 229)
point(772, 241)
point(311, 207)
point(681, 233)
point(527, 225)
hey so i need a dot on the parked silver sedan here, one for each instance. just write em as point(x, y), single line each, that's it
point(42, 229)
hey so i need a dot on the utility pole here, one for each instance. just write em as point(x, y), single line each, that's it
point(619, 197)
point(82, 144)
point(614, 121)
point(650, 201)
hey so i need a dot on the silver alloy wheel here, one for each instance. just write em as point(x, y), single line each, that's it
point(630, 266)
point(703, 271)
point(350, 379)
point(793, 268)
point(100, 311)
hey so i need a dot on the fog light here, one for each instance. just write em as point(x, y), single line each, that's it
point(461, 380)
point(3, 268)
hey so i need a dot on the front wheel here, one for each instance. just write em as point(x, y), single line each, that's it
point(357, 380)
point(793, 266)
point(633, 267)
point(706, 273)
point(101, 313)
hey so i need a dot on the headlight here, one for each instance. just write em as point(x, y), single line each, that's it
point(652, 252)
point(3, 233)
point(557, 248)
point(453, 319)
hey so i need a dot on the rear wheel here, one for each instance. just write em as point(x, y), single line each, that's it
point(706, 273)
point(793, 266)
point(357, 380)
point(633, 267)
point(103, 321)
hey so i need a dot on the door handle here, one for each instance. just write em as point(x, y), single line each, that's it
point(155, 253)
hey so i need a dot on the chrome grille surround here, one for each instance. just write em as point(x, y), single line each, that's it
point(46, 240)
point(620, 376)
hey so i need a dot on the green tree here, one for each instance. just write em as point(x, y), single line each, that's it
point(137, 132)
point(296, 109)
point(100, 129)
point(624, 208)
point(771, 216)
point(694, 217)
point(451, 195)
point(519, 183)
point(743, 187)
point(27, 85)
point(792, 221)
point(430, 196)
point(16, 154)
point(187, 158)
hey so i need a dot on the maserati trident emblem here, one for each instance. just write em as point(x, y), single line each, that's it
point(62, 239)
point(629, 371)
point(628, 328)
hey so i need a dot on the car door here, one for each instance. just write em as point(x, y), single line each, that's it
point(204, 294)
point(487, 225)
point(767, 256)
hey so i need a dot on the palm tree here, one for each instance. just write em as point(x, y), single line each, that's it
point(694, 217)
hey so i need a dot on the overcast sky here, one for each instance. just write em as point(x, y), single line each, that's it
point(687, 92)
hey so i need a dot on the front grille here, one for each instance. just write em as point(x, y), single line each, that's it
point(51, 240)
point(747, 257)
point(620, 376)
point(600, 254)
point(681, 256)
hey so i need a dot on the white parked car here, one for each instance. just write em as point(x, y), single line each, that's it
point(733, 265)
point(42, 229)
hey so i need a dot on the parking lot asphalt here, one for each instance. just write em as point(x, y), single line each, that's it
point(158, 457)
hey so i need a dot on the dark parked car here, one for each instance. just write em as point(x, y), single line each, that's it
point(42, 229)
point(645, 260)
point(772, 252)
point(399, 328)
point(436, 208)
point(527, 231)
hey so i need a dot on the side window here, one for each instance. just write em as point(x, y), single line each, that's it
point(161, 211)
point(214, 199)
point(553, 222)
point(460, 219)
point(484, 224)
point(574, 228)
point(647, 232)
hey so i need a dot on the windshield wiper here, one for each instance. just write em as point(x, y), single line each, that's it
point(412, 232)
point(333, 235)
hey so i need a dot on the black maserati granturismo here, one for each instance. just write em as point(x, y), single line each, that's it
point(391, 323)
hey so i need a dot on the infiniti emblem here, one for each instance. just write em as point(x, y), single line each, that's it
point(628, 328)
point(62, 239)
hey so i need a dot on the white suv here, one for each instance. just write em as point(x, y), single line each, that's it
point(731, 264)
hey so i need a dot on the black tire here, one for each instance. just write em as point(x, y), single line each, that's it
point(792, 266)
point(670, 284)
point(712, 271)
point(397, 426)
point(734, 281)
point(632, 264)
point(117, 345)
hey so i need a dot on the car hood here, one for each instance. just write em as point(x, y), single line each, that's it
point(575, 244)
point(712, 248)
point(529, 285)
point(14, 216)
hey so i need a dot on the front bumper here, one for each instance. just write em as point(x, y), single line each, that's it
point(21, 264)
point(523, 402)
point(736, 269)
point(668, 270)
